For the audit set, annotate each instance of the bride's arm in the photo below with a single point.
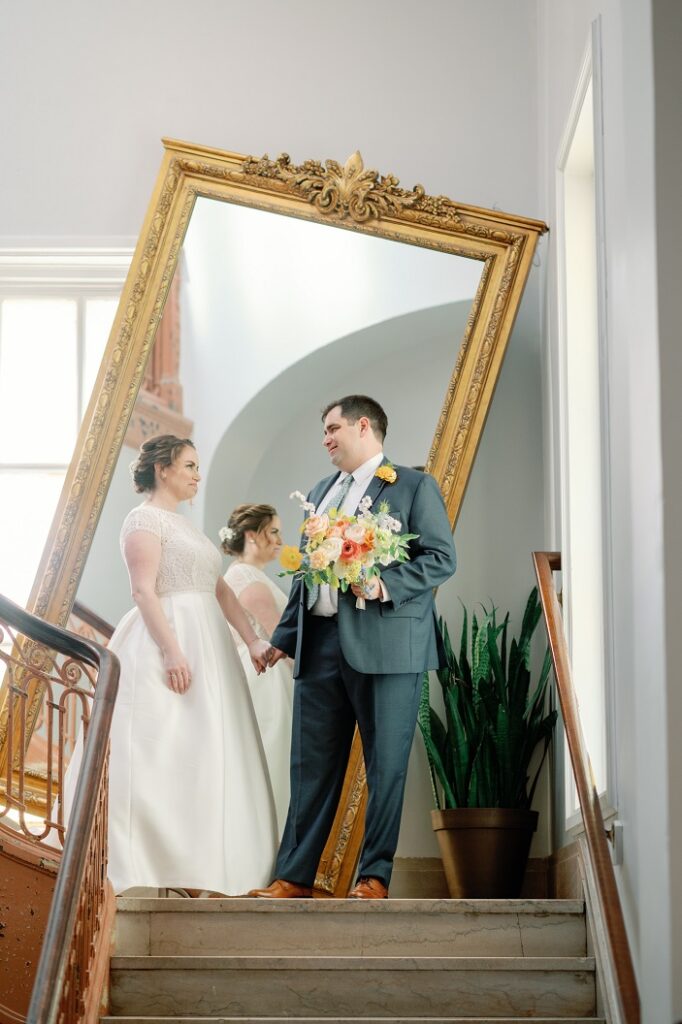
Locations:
(258, 599)
(142, 553)
(237, 617)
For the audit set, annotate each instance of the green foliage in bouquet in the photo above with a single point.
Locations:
(480, 756)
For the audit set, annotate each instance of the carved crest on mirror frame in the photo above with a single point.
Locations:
(347, 196)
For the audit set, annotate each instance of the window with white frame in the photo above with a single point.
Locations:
(585, 554)
(51, 342)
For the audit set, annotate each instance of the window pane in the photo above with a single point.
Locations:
(99, 316)
(38, 379)
(28, 499)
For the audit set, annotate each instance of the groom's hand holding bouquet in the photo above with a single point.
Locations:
(346, 550)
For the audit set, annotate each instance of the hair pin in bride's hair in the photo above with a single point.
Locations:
(226, 533)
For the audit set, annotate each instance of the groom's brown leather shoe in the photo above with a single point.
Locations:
(368, 889)
(280, 889)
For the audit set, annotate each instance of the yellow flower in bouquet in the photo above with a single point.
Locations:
(290, 558)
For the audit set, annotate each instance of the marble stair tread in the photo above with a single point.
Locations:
(239, 904)
(352, 1020)
(358, 963)
(406, 930)
(353, 987)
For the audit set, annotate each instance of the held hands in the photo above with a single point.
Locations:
(177, 671)
(260, 653)
(276, 655)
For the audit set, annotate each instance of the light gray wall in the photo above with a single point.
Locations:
(667, 46)
(444, 96)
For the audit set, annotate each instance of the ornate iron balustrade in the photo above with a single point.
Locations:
(41, 659)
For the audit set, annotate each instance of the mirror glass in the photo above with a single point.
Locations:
(268, 319)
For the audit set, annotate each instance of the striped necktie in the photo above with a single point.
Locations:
(336, 500)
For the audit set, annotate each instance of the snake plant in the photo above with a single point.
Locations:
(480, 756)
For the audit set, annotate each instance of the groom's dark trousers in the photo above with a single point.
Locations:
(329, 697)
(363, 666)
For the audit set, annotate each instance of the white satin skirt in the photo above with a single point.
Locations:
(272, 693)
(190, 801)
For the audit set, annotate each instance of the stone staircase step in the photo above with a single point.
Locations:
(182, 927)
(352, 1020)
(354, 987)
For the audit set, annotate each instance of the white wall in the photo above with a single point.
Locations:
(443, 96)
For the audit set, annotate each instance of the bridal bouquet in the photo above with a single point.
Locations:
(340, 549)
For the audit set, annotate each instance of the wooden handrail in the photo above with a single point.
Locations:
(547, 562)
(53, 989)
(93, 620)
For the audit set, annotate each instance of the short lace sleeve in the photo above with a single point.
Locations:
(141, 519)
(239, 576)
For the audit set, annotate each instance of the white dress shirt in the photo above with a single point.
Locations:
(328, 601)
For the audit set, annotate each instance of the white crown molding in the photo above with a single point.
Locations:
(28, 263)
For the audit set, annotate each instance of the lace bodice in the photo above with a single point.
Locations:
(189, 561)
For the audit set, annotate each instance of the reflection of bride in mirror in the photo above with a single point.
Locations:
(190, 803)
(253, 537)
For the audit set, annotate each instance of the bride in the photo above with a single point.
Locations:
(190, 804)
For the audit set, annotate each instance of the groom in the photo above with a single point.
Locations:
(360, 666)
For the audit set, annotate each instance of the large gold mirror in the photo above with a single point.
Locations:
(242, 315)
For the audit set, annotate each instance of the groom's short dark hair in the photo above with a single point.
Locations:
(354, 406)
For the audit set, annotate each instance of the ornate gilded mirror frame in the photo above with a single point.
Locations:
(349, 197)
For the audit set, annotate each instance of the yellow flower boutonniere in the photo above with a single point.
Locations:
(387, 473)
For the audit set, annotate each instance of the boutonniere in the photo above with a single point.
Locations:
(387, 473)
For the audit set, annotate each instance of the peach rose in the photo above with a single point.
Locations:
(320, 559)
(332, 545)
(316, 524)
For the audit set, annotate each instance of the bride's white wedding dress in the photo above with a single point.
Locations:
(190, 803)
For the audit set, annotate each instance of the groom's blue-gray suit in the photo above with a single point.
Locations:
(363, 666)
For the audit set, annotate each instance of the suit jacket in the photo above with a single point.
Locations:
(399, 635)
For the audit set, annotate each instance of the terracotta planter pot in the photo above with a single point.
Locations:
(484, 850)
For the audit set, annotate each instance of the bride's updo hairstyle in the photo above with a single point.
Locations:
(161, 450)
(243, 519)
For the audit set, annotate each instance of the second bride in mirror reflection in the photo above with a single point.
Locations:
(190, 803)
(253, 538)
